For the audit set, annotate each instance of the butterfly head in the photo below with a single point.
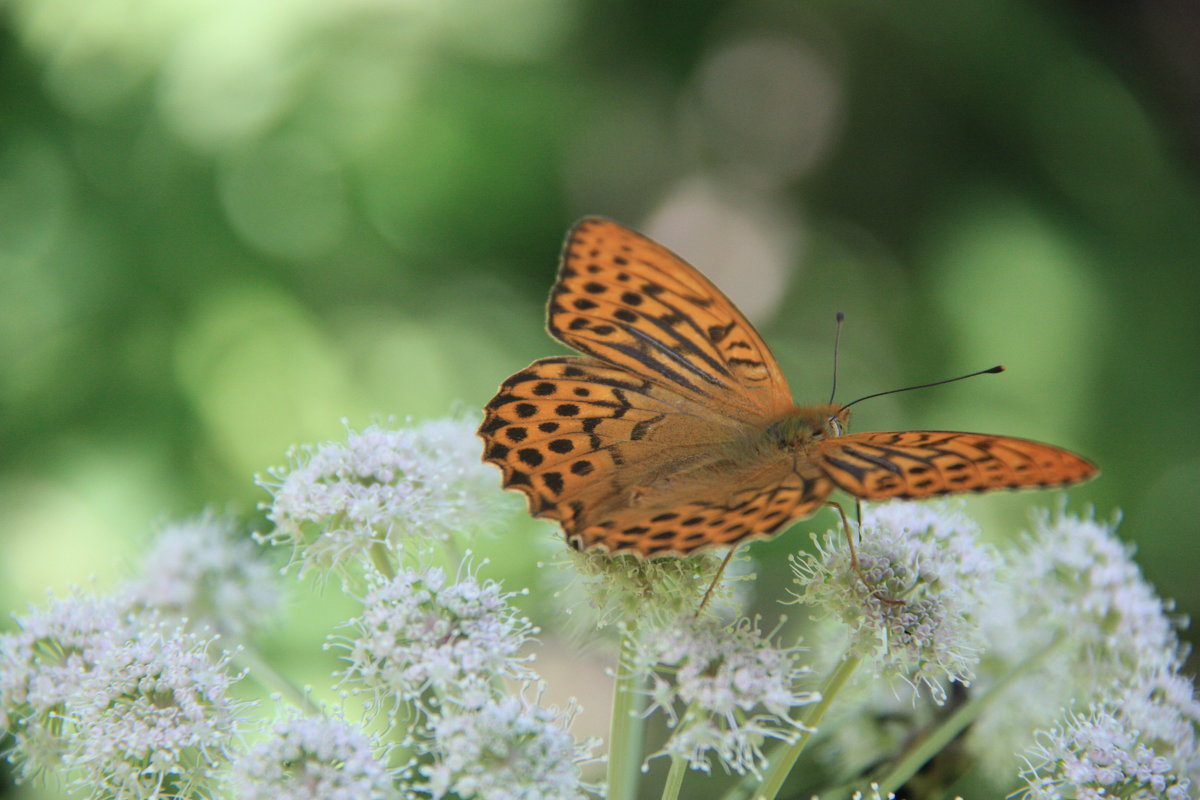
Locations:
(805, 424)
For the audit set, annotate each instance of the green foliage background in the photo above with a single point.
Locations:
(226, 225)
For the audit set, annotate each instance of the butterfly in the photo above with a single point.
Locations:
(675, 430)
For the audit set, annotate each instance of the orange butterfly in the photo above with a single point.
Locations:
(677, 432)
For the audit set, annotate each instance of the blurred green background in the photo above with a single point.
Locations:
(227, 224)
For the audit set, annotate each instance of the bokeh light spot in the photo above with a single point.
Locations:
(286, 198)
(1020, 291)
(260, 375)
(772, 102)
(1117, 132)
(747, 249)
(229, 76)
(79, 515)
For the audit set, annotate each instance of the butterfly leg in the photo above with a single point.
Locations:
(716, 578)
(854, 555)
(849, 536)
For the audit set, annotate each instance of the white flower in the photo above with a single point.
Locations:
(739, 688)
(202, 570)
(1136, 745)
(43, 666)
(1162, 706)
(915, 600)
(154, 716)
(313, 757)
(655, 592)
(1088, 588)
(1075, 618)
(132, 706)
(504, 749)
(381, 485)
(418, 631)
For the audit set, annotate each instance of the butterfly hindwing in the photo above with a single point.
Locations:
(577, 435)
(631, 302)
(913, 464)
(702, 515)
(628, 466)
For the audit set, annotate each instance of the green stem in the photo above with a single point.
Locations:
(783, 760)
(956, 723)
(626, 728)
(678, 762)
(674, 778)
(265, 674)
(382, 559)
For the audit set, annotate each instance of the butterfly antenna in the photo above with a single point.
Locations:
(837, 340)
(990, 371)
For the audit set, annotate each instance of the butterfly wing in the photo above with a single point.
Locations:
(631, 302)
(627, 465)
(708, 511)
(912, 464)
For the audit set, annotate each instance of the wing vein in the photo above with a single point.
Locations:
(876, 460)
(658, 346)
(653, 364)
(685, 341)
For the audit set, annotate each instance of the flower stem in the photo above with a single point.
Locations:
(674, 778)
(382, 559)
(626, 727)
(678, 762)
(955, 724)
(784, 759)
(269, 678)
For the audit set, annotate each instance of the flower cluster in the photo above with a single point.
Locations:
(129, 704)
(656, 592)
(914, 598)
(381, 486)
(1078, 564)
(419, 633)
(504, 748)
(1134, 744)
(318, 757)
(201, 570)
(739, 689)
(1075, 625)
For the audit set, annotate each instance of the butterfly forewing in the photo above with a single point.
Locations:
(631, 302)
(912, 464)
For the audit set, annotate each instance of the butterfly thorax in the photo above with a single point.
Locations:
(805, 424)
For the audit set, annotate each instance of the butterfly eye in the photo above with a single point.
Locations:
(835, 426)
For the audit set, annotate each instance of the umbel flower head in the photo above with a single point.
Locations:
(914, 602)
(201, 570)
(380, 486)
(656, 592)
(1090, 590)
(503, 749)
(739, 689)
(1078, 627)
(419, 631)
(313, 757)
(1139, 743)
(120, 703)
